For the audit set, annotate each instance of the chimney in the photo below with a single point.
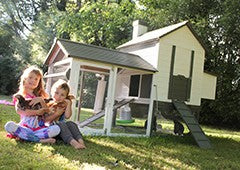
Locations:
(139, 28)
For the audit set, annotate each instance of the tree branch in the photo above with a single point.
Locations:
(18, 14)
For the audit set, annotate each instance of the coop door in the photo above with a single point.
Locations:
(180, 85)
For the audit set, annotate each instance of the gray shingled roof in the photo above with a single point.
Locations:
(101, 54)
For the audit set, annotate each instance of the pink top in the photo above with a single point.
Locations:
(32, 122)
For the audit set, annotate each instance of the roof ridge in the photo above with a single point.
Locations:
(138, 39)
(95, 46)
(179, 23)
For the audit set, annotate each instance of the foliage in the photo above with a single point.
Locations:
(9, 61)
(42, 35)
(28, 28)
(218, 25)
(161, 151)
(20, 14)
(223, 36)
(101, 23)
(8, 77)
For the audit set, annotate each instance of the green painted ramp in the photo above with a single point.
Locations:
(192, 124)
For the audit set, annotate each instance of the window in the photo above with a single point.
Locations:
(134, 85)
(140, 85)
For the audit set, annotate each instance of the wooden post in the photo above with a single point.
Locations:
(110, 101)
(49, 80)
(80, 95)
(99, 95)
(73, 83)
(150, 111)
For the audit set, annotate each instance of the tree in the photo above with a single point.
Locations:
(217, 23)
(225, 43)
(101, 23)
(9, 63)
(107, 23)
(42, 35)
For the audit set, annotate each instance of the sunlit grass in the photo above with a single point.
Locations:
(162, 151)
(221, 133)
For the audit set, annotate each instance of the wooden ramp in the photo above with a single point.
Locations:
(192, 124)
(102, 113)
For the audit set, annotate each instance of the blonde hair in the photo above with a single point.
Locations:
(62, 85)
(39, 90)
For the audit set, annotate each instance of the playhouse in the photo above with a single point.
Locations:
(159, 70)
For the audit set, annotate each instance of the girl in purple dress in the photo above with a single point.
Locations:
(31, 126)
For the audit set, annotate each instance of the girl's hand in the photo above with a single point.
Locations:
(42, 111)
(36, 100)
(52, 110)
(59, 110)
(69, 102)
(68, 110)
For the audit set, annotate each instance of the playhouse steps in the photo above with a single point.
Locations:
(102, 113)
(192, 124)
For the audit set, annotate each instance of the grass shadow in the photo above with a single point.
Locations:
(161, 151)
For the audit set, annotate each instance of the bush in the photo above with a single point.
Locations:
(9, 75)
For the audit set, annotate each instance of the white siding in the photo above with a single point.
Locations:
(158, 53)
(182, 61)
(185, 42)
(195, 97)
(122, 86)
(161, 78)
(147, 51)
(208, 83)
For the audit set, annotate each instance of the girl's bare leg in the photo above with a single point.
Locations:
(76, 145)
(81, 142)
(48, 140)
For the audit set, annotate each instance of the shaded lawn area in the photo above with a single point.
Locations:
(161, 151)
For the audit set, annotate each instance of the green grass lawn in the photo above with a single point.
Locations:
(162, 151)
(4, 97)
